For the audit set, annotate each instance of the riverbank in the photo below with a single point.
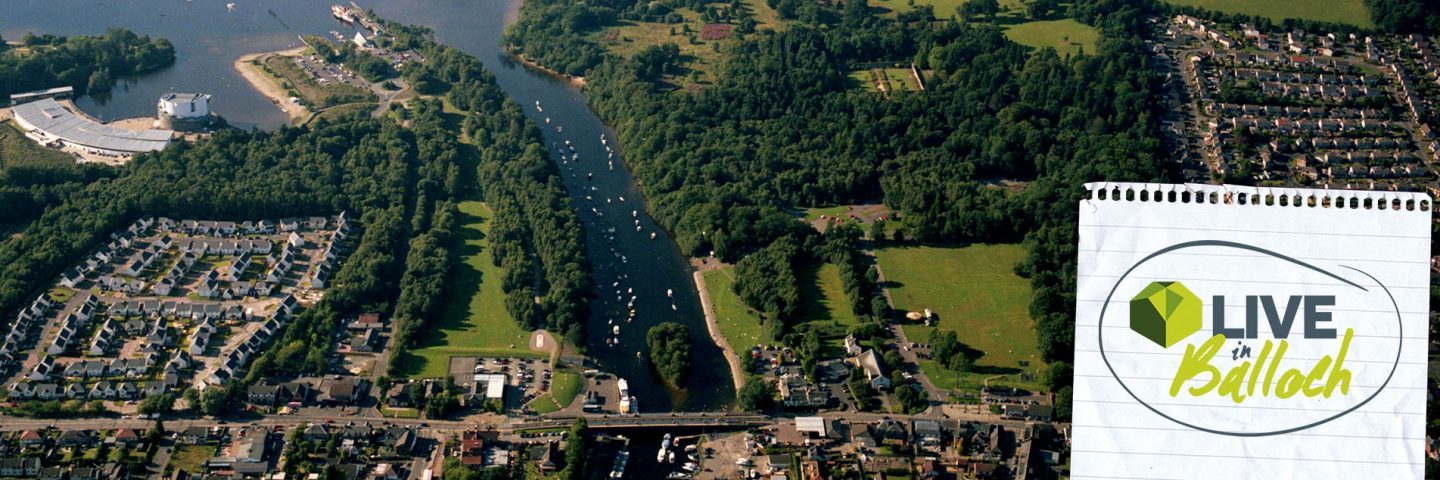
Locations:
(250, 70)
(578, 82)
(712, 325)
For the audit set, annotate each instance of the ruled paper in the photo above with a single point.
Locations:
(1374, 262)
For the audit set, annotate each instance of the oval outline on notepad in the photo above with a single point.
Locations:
(1227, 244)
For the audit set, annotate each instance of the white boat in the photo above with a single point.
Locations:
(616, 330)
(689, 467)
(537, 106)
(664, 448)
(670, 293)
(652, 235)
(230, 7)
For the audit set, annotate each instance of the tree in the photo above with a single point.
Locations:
(756, 395)
(1059, 375)
(215, 401)
(669, 344)
(157, 404)
(577, 451)
(974, 9)
(1063, 404)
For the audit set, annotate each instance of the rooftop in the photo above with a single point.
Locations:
(54, 120)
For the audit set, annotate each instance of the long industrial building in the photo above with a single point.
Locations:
(47, 122)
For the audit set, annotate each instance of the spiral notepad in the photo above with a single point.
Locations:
(1246, 332)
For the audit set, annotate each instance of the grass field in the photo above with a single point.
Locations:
(1065, 36)
(976, 294)
(474, 321)
(399, 412)
(342, 111)
(18, 151)
(700, 57)
(563, 389)
(191, 458)
(943, 8)
(313, 94)
(894, 79)
(738, 323)
(823, 305)
(1339, 11)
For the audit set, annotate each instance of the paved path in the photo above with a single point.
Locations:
(712, 324)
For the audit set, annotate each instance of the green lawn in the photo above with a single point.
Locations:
(1065, 36)
(1340, 11)
(474, 322)
(563, 389)
(823, 305)
(943, 8)
(191, 458)
(399, 412)
(975, 293)
(738, 323)
(16, 150)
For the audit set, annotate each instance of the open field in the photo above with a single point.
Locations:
(974, 291)
(563, 390)
(1339, 11)
(348, 109)
(943, 8)
(191, 458)
(738, 323)
(699, 57)
(474, 321)
(824, 306)
(18, 151)
(313, 94)
(1065, 36)
(894, 80)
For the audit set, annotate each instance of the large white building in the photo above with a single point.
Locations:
(48, 122)
(183, 111)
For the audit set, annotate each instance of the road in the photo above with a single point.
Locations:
(937, 395)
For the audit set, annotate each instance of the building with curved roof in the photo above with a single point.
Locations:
(47, 121)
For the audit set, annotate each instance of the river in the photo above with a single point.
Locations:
(208, 38)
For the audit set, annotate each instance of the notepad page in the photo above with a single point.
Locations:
(1244, 332)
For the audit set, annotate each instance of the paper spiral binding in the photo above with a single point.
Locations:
(1256, 196)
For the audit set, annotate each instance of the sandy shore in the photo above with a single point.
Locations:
(267, 86)
(571, 79)
(713, 326)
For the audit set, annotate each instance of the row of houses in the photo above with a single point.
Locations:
(261, 227)
(234, 361)
(70, 324)
(20, 335)
(101, 390)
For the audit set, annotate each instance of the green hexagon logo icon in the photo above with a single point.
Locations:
(1165, 313)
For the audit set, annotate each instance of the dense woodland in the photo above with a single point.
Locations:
(90, 64)
(670, 347)
(1406, 16)
(782, 128)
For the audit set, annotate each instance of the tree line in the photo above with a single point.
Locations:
(536, 235)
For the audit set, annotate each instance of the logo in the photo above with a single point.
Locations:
(1254, 344)
(1165, 313)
